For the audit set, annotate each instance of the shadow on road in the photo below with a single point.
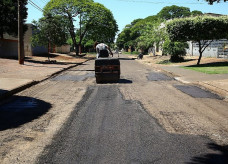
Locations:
(216, 64)
(50, 62)
(126, 58)
(2, 91)
(219, 158)
(120, 81)
(86, 70)
(125, 81)
(20, 110)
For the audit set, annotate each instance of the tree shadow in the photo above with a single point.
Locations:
(2, 92)
(127, 58)
(188, 60)
(19, 110)
(50, 62)
(9, 57)
(216, 64)
(213, 158)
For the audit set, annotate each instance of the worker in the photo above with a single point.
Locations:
(102, 50)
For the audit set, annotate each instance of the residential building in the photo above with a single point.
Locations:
(217, 49)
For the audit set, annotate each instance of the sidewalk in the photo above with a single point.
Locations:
(15, 77)
(217, 83)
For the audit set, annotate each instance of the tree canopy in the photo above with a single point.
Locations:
(144, 33)
(201, 29)
(212, 1)
(174, 11)
(9, 16)
(85, 18)
(50, 30)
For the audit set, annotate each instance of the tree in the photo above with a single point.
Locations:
(128, 37)
(92, 18)
(201, 29)
(176, 49)
(212, 1)
(9, 16)
(97, 23)
(196, 12)
(153, 33)
(171, 12)
(123, 38)
(50, 30)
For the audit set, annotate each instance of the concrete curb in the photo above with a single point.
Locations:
(17, 90)
(30, 84)
(221, 92)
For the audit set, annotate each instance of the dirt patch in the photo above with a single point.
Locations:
(189, 60)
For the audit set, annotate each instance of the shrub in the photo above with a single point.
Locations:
(175, 49)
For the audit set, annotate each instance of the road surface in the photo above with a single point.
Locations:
(148, 117)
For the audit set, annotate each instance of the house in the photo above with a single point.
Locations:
(217, 49)
(9, 46)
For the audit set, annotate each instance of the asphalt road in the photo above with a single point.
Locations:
(118, 123)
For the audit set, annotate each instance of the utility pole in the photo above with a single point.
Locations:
(80, 33)
(20, 35)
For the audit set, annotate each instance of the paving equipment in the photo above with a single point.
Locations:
(107, 70)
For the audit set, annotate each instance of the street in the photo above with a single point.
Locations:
(148, 117)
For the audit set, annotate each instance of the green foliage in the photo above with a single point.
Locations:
(86, 19)
(9, 16)
(145, 33)
(152, 34)
(166, 62)
(196, 12)
(124, 38)
(98, 23)
(132, 33)
(70, 42)
(211, 68)
(132, 53)
(171, 12)
(50, 30)
(200, 29)
(89, 44)
(175, 49)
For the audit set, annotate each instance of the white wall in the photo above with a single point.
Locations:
(64, 49)
(215, 49)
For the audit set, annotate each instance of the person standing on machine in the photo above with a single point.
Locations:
(102, 50)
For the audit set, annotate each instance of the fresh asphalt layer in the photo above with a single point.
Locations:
(105, 128)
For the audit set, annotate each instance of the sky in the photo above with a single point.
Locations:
(125, 11)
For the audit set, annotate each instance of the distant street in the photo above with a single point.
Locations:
(148, 117)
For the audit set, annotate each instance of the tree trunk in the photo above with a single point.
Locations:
(200, 53)
(72, 34)
(80, 48)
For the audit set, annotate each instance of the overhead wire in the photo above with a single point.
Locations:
(158, 2)
(35, 5)
(45, 2)
(37, 2)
